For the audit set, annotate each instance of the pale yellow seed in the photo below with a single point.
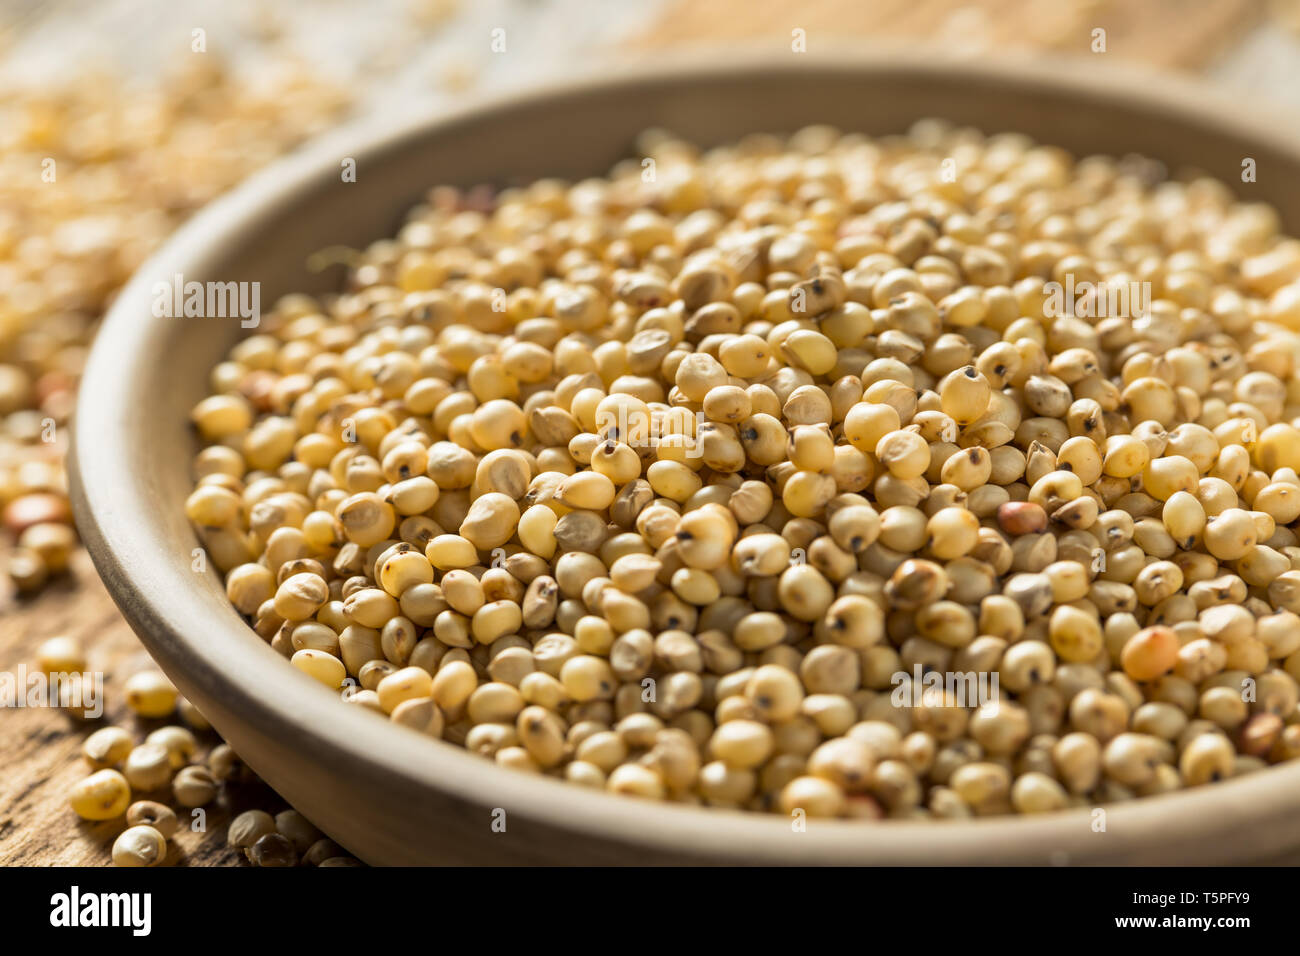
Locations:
(150, 694)
(101, 796)
(321, 666)
(406, 684)
(139, 846)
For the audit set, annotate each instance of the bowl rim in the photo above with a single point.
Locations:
(113, 514)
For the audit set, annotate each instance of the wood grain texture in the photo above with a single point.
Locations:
(40, 749)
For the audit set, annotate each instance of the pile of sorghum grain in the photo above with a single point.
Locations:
(135, 781)
(671, 483)
(91, 180)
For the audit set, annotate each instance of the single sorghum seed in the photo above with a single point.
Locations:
(194, 786)
(107, 747)
(101, 796)
(249, 827)
(150, 694)
(148, 813)
(272, 850)
(297, 829)
(139, 846)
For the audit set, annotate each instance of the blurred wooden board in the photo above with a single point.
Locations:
(1184, 34)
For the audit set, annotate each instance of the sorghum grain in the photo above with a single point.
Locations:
(101, 796)
(666, 485)
(148, 813)
(139, 846)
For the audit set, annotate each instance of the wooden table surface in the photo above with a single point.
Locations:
(1246, 45)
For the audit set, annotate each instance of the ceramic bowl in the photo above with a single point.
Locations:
(392, 796)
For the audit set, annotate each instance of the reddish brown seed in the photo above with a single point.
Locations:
(37, 508)
(863, 806)
(1021, 517)
(1150, 652)
(257, 386)
(1259, 734)
(272, 850)
(53, 384)
(1288, 744)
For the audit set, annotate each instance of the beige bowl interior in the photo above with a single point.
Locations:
(392, 796)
